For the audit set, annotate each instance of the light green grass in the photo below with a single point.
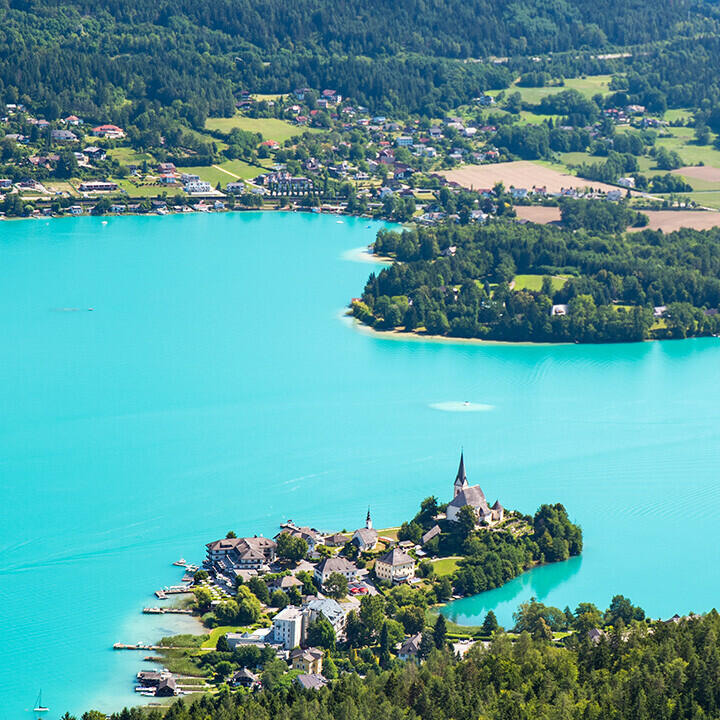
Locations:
(128, 156)
(445, 566)
(678, 114)
(681, 140)
(209, 174)
(215, 634)
(705, 199)
(269, 128)
(534, 282)
(588, 86)
(243, 170)
(143, 191)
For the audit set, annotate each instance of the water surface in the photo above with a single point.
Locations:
(214, 387)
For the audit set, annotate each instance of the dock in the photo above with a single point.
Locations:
(164, 611)
(172, 590)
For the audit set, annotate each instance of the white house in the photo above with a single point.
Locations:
(395, 566)
(328, 566)
(288, 626)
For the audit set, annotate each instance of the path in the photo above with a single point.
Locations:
(227, 172)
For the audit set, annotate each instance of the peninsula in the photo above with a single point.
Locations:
(305, 605)
(586, 282)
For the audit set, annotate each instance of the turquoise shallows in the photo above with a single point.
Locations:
(215, 386)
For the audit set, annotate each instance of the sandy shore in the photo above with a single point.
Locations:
(418, 337)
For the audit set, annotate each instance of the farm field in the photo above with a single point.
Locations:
(243, 170)
(521, 174)
(269, 128)
(665, 220)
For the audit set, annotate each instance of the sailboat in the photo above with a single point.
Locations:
(39, 707)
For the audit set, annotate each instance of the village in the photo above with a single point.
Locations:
(308, 597)
(312, 150)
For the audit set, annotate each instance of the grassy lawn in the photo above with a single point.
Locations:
(128, 156)
(244, 171)
(210, 174)
(706, 199)
(144, 190)
(269, 128)
(445, 566)
(60, 186)
(682, 141)
(534, 282)
(389, 533)
(215, 633)
(588, 86)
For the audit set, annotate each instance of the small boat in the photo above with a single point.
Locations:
(340, 222)
(39, 707)
(180, 563)
(104, 222)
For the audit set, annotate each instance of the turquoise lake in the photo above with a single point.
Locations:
(215, 385)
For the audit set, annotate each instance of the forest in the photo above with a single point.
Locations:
(89, 58)
(458, 280)
(633, 671)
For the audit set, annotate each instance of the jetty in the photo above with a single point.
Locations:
(164, 611)
(172, 590)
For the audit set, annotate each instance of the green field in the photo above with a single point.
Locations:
(445, 566)
(682, 141)
(588, 86)
(534, 282)
(243, 170)
(128, 156)
(144, 190)
(705, 199)
(269, 128)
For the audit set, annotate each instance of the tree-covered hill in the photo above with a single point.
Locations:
(89, 56)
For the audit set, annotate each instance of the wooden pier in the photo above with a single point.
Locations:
(166, 611)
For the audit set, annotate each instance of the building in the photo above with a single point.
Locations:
(330, 609)
(94, 153)
(245, 678)
(328, 566)
(245, 553)
(559, 310)
(472, 496)
(310, 535)
(433, 532)
(395, 566)
(288, 627)
(63, 136)
(166, 687)
(197, 186)
(5, 183)
(309, 661)
(366, 538)
(336, 540)
(261, 636)
(409, 649)
(311, 682)
(404, 141)
(236, 188)
(97, 186)
(112, 132)
(285, 583)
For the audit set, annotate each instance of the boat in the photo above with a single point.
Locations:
(180, 563)
(39, 707)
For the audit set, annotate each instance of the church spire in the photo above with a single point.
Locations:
(461, 478)
(368, 520)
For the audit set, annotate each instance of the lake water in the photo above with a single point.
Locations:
(216, 386)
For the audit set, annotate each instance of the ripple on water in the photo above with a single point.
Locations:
(460, 406)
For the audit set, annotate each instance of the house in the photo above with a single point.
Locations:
(433, 532)
(301, 93)
(166, 687)
(97, 186)
(330, 609)
(332, 96)
(285, 583)
(328, 566)
(336, 540)
(309, 660)
(112, 132)
(166, 167)
(235, 188)
(559, 310)
(245, 678)
(409, 649)
(95, 153)
(404, 141)
(197, 186)
(168, 179)
(63, 136)
(659, 311)
(473, 497)
(595, 635)
(366, 538)
(244, 553)
(151, 678)
(75, 210)
(395, 566)
(72, 120)
(5, 183)
(311, 682)
(288, 627)
(310, 535)
(259, 637)
(627, 182)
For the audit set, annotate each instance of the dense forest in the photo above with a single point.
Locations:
(88, 58)
(458, 280)
(632, 671)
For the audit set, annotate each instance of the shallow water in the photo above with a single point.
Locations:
(213, 387)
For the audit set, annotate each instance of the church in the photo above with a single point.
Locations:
(473, 496)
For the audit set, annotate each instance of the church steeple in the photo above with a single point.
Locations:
(461, 478)
(368, 521)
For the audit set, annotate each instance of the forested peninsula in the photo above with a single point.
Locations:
(587, 281)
